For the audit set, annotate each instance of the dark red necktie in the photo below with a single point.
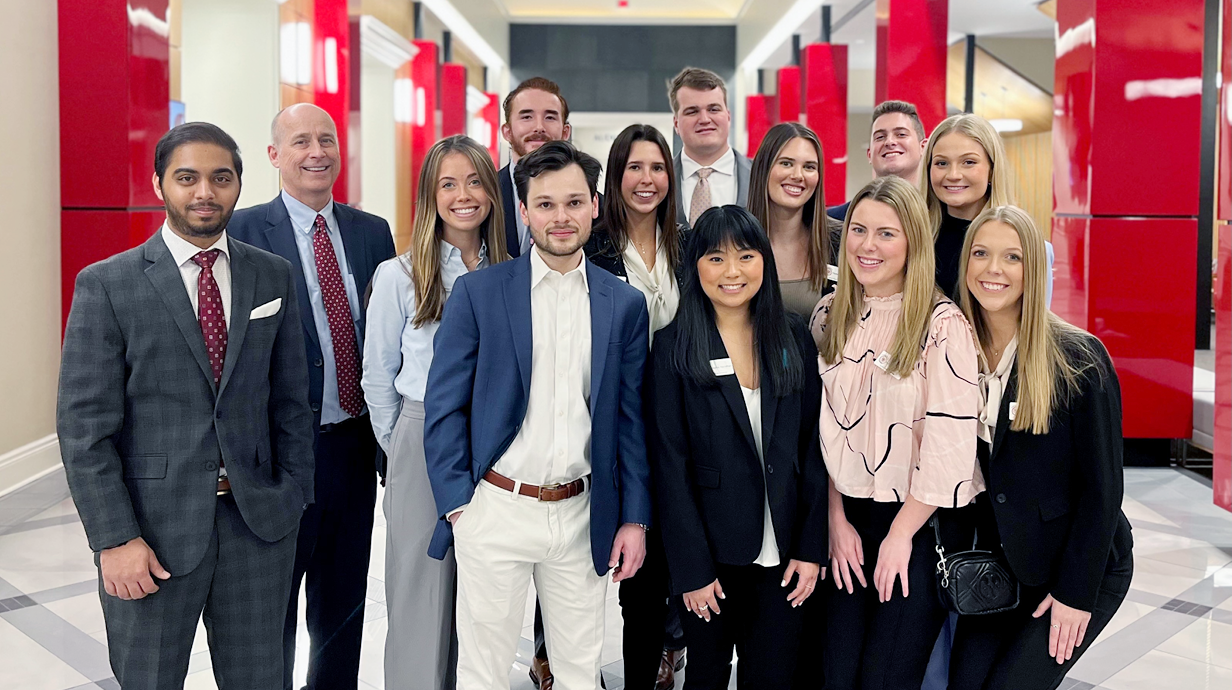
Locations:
(341, 327)
(210, 312)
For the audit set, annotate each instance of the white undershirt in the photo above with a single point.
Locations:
(769, 554)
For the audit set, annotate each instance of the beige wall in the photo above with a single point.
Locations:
(859, 172)
(30, 188)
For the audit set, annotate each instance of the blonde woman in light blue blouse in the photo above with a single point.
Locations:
(458, 228)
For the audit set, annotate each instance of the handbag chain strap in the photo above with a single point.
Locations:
(942, 566)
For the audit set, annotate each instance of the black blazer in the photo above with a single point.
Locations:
(1057, 497)
(604, 253)
(367, 242)
(709, 484)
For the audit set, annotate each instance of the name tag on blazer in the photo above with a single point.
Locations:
(883, 363)
(1013, 410)
(268, 309)
(722, 367)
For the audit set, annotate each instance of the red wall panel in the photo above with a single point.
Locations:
(823, 71)
(95, 235)
(423, 117)
(788, 95)
(1101, 267)
(453, 100)
(760, 111)
(331, 76)
(1223, 372)
(1224, 190)
(491, 115)
(912, 55)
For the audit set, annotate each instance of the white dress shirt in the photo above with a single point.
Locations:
(553, 445)
(722, 180)
(657, 286)
(768, 556)
(397, 355)
(183, 251)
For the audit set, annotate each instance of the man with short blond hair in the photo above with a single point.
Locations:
(708, 171)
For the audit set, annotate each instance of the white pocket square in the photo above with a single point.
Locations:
(268, 309)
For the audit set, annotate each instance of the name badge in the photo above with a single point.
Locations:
(883, 363)
(722, 367)
(832, 273)
(1013, 410)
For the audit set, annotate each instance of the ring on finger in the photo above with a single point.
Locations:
(1056, 626)
(704, 606)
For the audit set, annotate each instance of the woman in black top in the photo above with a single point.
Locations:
(637, 239)
(733, 400)
(1050, 452)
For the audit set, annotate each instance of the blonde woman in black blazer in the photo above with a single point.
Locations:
(1050, 452)
(734, 398)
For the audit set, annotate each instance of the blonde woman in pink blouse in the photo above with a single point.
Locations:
(899, 415)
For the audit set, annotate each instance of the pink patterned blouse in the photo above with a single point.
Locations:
(883, 436)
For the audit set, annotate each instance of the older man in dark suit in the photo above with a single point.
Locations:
(334, 250)
(185, 430)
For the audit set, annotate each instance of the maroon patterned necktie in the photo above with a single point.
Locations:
(210, 312)
(338, 313)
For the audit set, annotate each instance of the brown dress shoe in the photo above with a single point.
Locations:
(540, 674)
(672, 663)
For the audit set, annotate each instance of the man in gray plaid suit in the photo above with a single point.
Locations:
(186, 433)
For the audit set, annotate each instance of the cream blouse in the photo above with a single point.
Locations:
(882, 436)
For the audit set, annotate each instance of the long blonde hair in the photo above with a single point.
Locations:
(1000, 181)
(424, 255)
(816, 222)
(919, 288)
(1048, 372)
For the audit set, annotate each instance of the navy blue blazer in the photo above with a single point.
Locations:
(476, 401)
(367, 241)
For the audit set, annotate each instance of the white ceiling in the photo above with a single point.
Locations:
(675, 11)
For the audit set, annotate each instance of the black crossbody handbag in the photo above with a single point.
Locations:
(975, 582)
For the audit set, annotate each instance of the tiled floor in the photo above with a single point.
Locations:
(1174, 630)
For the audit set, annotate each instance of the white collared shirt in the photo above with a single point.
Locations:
(722, 181)
(183, 251)
(397, 355)
(553, 445)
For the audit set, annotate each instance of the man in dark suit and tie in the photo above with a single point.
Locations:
(533, 433)
(333, 250)
(709, 172)
(185, 430)
(535, 113)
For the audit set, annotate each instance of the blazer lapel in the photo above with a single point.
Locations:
(602, 311)
(1003, 419)
(165, 275)
(509, 198)
(681, 210)
(517, 306)
(743, 168)
(729, 386)
(353, 246)
(769, 406)
(281, 238)
(243, 289)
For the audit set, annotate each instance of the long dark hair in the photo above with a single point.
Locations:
(777, 354)
(614, 217)
(819, 225)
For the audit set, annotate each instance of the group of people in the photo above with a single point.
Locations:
(761, 417)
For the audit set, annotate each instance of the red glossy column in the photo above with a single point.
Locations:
(453, 99)
(1224, 189)
(423, 118)
(760, 111)
(114, 94)
(331, 76)
(491, 115)
(912, 55)
(824, 76)
(1112, 239)
(1223, 285)
(789, 99)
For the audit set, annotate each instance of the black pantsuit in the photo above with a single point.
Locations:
(646, 610)
(335, 542)
(1054, 509)
(871, 645)
(756, 620)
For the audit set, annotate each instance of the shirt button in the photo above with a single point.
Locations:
(218, 415)
(211, 466)
(318, 362)
(315, 407)
(1001, 498)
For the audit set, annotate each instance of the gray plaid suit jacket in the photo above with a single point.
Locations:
(141, 426)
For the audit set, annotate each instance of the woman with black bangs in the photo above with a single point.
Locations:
(733, 399)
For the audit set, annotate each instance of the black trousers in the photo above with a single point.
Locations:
(1009, 651)
(331, 558)
(651, 621)
(876, 646)
(757, 620)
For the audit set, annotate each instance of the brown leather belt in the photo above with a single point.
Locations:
(224, 486)
(547, 492)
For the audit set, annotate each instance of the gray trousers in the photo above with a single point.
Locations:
(239, 589)
(421, 647)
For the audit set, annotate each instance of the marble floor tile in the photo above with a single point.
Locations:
(84, 612)
(1164, 579)
(29, 666)
(1183, 551)
(1205, 640)
(1156, 670)
(50, 557)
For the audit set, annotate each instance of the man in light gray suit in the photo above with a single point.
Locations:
(708, 171)
(186, 433)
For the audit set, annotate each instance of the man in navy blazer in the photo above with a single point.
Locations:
(533, 433)
(333, 250)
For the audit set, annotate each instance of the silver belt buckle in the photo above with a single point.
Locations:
(548, 487)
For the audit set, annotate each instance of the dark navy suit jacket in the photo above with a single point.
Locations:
(479, 384)
(367, 242)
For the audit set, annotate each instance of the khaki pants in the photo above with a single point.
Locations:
(501, 541)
